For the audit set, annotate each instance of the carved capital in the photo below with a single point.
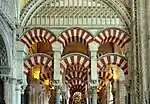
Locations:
(5, 69)
(94, 83)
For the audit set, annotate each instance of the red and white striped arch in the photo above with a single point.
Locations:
(48, 75)
(77, 88)
(106, 75)
(37, 59)
(36, 35)
(115, 59)
(75, 35)
(113, 35)
(101, 83)
(77, 68)
(74, 59)
(76, 77)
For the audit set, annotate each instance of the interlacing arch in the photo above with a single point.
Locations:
(75, 35)
(114, 59)
(113, 35)
(36, 35)
(37, 59)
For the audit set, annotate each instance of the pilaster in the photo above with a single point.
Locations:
(136, 81)
(143, 51)
(57, 48)
(93, 50)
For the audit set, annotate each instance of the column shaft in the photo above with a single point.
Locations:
(94, 95)
(13, 92)
(57, 98)
(18, 94)
(7, 92)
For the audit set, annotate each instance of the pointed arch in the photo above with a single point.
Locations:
(113, 35)
(37, 34)
(37, 59)
(75, 35)
(115, 59)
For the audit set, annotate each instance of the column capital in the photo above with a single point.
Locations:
(93, 46)
(57, 47)
(94, 83)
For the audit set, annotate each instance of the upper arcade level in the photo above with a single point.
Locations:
(61, 14)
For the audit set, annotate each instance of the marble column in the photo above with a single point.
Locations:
(89, 96)
(46, 99)
(64, 98)
(7, 92)
(109, 94)
(18, 93)
(13, 90)
(64, 92)
(94, 95)
(57, 96)
(144, 50)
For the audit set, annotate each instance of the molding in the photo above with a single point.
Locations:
(10, 23)
(5, 69)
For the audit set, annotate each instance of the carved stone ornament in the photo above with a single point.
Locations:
(3, 53)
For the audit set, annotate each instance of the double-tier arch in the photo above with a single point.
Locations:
(76, 68)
